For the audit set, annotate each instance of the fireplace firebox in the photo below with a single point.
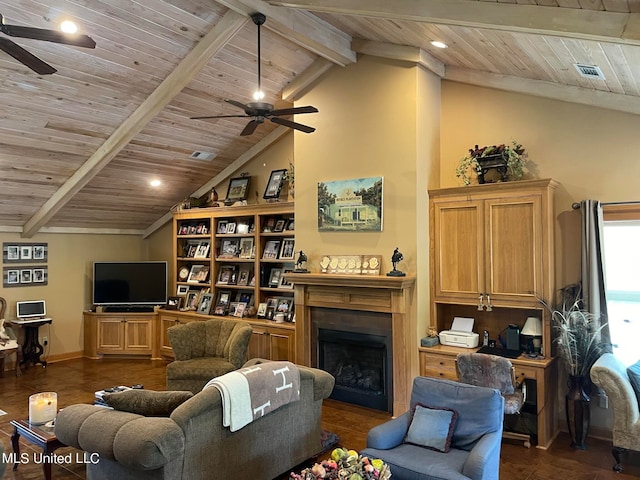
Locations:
(357, 350)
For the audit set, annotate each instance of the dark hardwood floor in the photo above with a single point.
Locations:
(75, 381)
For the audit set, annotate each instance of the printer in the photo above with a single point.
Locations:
(461, 334)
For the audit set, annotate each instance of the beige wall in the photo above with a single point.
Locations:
(68, 292)
(377, 118)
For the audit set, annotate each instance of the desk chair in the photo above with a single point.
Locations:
(495, 372)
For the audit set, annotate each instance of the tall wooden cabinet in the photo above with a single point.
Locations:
(492, 259)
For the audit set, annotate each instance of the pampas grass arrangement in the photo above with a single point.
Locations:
(577, 332)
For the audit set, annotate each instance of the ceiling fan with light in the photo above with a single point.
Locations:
(30, 60)
(261, 111)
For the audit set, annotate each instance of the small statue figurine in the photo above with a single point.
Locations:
(395, 259)
(302, 259)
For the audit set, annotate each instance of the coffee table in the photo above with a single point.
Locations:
(40, 435)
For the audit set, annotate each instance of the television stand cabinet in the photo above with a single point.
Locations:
(120, 333)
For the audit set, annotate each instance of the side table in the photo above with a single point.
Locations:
(40, 435)
(31, 349)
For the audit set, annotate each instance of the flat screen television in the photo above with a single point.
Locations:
(129, 284)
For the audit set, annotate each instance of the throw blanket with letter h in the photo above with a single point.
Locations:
(252, 392)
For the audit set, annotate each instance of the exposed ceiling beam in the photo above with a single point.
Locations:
(598, 25)
(269, 139)
(184, 72)
(302, 28)
(400, 52)
(539, 88)
(306, 79)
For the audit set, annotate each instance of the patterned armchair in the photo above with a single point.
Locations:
(204, 350)
(492, 371)
(612, 376)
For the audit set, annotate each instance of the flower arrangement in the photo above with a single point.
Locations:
(513, 156)
(345, 465)
(577, 333)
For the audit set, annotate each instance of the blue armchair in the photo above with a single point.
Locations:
(474, 451)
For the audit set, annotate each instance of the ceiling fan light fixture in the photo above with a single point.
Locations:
(258, 95)
(68, 27)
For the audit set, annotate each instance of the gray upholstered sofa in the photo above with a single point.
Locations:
(192, 443)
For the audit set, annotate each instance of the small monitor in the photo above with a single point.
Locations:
(32, 308)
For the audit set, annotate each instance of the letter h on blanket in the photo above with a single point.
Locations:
(252, 392)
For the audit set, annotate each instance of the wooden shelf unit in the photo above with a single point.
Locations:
(492, 259)
(270, 340)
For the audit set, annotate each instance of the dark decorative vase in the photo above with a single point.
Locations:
(578, 411)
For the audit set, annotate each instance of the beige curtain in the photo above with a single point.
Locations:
(592, 271)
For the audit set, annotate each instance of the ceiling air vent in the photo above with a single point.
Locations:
(203, 156)
(589, 71)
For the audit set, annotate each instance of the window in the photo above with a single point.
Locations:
(622, 273)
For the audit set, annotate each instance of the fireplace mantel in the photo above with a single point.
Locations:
(375, 293)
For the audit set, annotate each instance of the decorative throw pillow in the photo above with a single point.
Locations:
(432, 427)
(147, 402)
(634, 377)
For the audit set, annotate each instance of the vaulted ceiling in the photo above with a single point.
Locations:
(78, 147)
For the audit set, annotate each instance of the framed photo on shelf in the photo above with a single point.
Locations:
(222, 303)
(242, 228)
(231, 227)
(243, 276)
(246, 248)
(191, 299)
(262, 310)
(287, 252)
(283, 281)
(271, 250)
(236, 309)
(38, 275)
(284, 305)
(204, 304)
(268, 225)
(274, 277)
(203, 274)
(182, 290)
(193, 273)
(26, 252)
(291, 225)
(279, 226)
(229, 248)
(224, 276)
(174, 303)
(238, 189)
(274, 185)
(202, 250)
(222, 226)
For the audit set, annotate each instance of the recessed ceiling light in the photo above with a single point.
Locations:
(438, 44)
(155, 183)
(68, 27)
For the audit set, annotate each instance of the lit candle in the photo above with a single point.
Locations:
(43, 407)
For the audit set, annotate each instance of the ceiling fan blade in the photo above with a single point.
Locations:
(250, 128)
(26, 58)
(48, 35)
(237, 104)
(290, 124)
(295, 110)
(218, 116)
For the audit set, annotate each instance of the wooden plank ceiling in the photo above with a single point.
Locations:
(79, 147)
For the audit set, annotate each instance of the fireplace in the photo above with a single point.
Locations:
(350, 306)
(356, 348)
